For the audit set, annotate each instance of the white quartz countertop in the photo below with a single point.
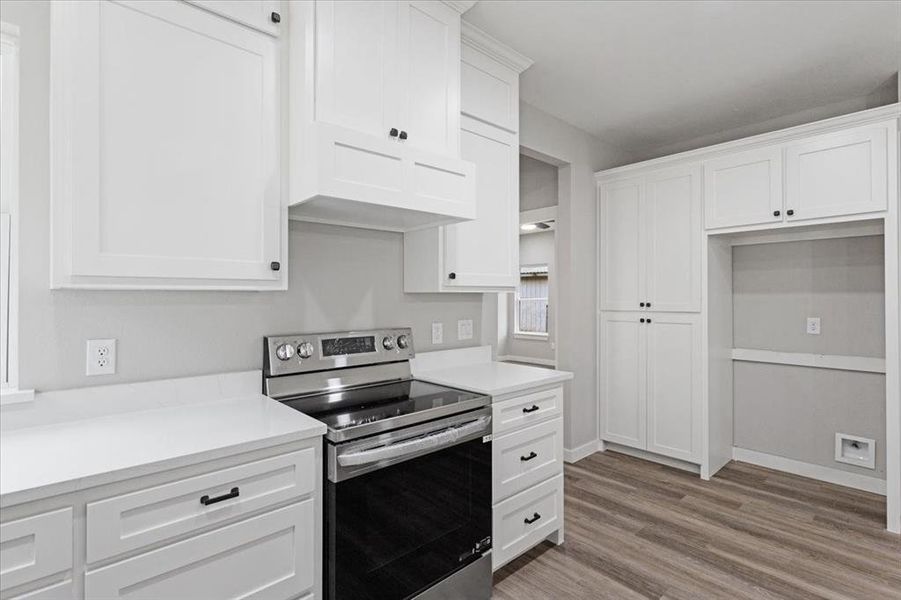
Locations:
(485, 376)
(64, 441)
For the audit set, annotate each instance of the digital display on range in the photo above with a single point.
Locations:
(348, 345)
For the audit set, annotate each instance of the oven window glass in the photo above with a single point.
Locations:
(394, 532)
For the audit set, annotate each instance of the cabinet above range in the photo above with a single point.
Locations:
(375, 115)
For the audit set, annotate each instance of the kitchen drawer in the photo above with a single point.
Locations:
(267, 556)
(35, 547)
(527, 409)
(64, 590)
(525, 519)
(133, 520)
(525, 457)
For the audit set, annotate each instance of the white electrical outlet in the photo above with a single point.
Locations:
(101, 357)
(813, 325)
(437, 332)
(464, 329)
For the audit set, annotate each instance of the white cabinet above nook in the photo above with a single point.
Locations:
(482, 254)
(165, 146)
(375, 115)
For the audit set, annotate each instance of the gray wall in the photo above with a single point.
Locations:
(793, 411)
(340, 278)
(537, 184)
(536, 249)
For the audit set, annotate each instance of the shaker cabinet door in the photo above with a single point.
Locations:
(623, 247)
(623, 376)
(165, 148)
(744, 188)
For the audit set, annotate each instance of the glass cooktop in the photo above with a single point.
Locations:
(359, 412)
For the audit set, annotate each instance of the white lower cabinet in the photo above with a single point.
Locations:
(269, 556)
(527, 466)
(651, 389)
(247, 526)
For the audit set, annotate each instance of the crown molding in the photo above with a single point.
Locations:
(461, 6)
(484, 43)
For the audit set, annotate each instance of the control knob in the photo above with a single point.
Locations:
(305, 350)
(284, 352)
(388, 342)
(402, 341)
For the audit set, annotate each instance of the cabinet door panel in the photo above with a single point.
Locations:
(167, 142)
(743, 188)
(484, 252)
(356, 58)
(841, 173)
(623, 379)
(429, 67)
(622, 245)
(674, 386)
(673, 217)
(253, 13)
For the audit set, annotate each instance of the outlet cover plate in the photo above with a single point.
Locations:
(437, 332)
(101, 357)
(464, 329)
(813, 325)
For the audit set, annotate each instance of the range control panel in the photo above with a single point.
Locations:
(306, 352)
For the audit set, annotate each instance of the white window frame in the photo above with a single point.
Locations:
(9, 188)
(530, 335)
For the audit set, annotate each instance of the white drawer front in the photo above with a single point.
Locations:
(35, 547)
(130, 521)
(64, 590)
(526, 457)
(268, 556)
(523, 410)
(526, 519)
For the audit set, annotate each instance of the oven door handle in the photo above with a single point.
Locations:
(439, 439)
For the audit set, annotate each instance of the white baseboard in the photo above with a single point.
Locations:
(580, 452)
(819, 472)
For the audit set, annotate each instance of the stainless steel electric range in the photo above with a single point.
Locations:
(407, 502)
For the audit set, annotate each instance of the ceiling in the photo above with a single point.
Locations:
(643, 75)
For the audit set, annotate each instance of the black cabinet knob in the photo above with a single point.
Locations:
(275, 265)
(451, 275)
(276, 18)
(789, 212)
(393, 132)
(641, 304)
(403, 135)
(649, 320)
(641, 320)
(648, 304)
(776, 213)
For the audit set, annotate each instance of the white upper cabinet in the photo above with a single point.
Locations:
(264, 15)
(744, 188)
(375, 115)
(482, 254)
(840, 173)
(650, 242)
(165, 149)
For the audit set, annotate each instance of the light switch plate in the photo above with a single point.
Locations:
(464, 329)
(813, 325)
(437, 332)
(101, 357)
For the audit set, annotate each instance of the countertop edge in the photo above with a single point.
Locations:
(558, 377)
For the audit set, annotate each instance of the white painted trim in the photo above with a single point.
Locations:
(15, 396)
(529, 335)
(803, 469)
(654, 458)
(11, 89)
(547, 213)
(817, 232)
(573, 455)
(477, 39)
(548, 362)
(819, 361)
(461, 6)
(890, 111)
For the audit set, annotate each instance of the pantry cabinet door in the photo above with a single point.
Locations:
(165, 144)
(622, 245)
(429, 70)
(842, 173)
(674, 385)
(673, 222)
(484, 252)
(264, 15)
(744, 188)
(623, 379)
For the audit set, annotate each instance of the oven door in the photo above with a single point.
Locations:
(405, 512)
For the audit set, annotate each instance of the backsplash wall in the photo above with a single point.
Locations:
(339, 278)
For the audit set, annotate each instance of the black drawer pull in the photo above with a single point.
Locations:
(534, 518)
(531, 409)
(206, 500)
(529, 457)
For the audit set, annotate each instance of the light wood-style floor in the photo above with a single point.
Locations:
(636, 529)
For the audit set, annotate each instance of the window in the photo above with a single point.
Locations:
(531, 301)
